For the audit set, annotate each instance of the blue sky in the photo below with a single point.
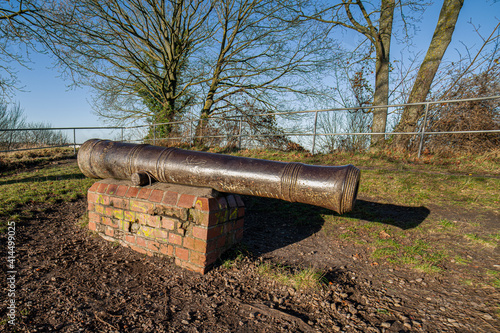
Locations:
(47, 98)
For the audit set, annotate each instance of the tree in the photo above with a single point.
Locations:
(262, 57)
(14, 32)
(150, 59)
(376, 26)
(134, 53)
(440, 40)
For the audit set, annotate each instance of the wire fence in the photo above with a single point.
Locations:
(236, 130)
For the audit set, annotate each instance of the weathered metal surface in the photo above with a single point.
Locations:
(332, 187)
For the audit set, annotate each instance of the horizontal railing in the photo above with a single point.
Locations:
(240, 135)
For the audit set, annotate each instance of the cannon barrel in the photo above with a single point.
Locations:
(332, 187)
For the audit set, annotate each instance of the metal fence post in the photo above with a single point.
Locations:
(74, 141)
(154, 134)
(423, 130)
(315, 126)
(239, 134)
(122, 134)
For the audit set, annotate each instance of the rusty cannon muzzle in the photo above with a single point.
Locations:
(332, 187)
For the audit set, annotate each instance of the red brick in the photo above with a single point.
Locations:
(186, 201)
(153, 221)
(141, 206)
(138, 249)
(98, 198)
(110, 222)
(200, 232)
(92, 197)
(202, 259)
(167, 223)
(99, 209)
(141, 241)
(231, 201)
(102, 188)
(241, 211)
(221, 241)
(206, 204)
(130, 239)
(174, 239)
(103, 199)
(214, 232)
(109, 231)
(92, 226)
(121, 190)
(156, 196)
(170, 198)
(191, 267)
(132, 192)
(195, 244)
(112, 189)
(94, 217)
(167, 249)
(181, 253)
(94, 187)
(124, 225)
(161, 235)
(146, 231)
(118, 214)
(239, 201)
(221, 216)
(129, 216)
(141, 218)
(210, 246)
(119, 203)
(153, 246)
(222, 203)
(144, 193)
(233, 214)
(188, 243)
(239, 224)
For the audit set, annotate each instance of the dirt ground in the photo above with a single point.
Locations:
(70, 280)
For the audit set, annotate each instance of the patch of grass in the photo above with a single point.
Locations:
(419, 254)
(21, 192)
(475, 238)
(468, 282)
(301, 279)
(446, 224)
(461, 261)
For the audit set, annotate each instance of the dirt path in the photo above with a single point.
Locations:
(70, 280)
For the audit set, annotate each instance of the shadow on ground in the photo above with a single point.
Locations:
(271, 224)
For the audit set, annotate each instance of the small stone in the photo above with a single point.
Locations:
(252, 315)
(407, 325)
(185, 322)
(343, 295)
(419, 280)
(386, 324)
(487, 316)
(335, 328)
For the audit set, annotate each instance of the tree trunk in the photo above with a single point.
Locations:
(439, 43)
(382, 47)
(203, 122)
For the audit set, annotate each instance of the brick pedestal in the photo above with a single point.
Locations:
(193, 225)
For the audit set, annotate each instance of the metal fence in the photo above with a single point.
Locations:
(186, 129)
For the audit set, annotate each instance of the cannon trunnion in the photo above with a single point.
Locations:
(332, 187)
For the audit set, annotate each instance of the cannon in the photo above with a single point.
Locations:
(332, 187)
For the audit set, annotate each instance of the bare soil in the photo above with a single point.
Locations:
(71, 280)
